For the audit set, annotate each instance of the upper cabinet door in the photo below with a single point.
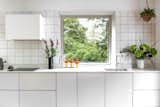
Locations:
(24, 27)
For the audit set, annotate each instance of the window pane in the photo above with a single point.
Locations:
(87, 38)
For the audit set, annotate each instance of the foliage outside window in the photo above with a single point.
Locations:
(87, 38)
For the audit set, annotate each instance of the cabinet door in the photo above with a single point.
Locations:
(118, 90)
(9, 81)
(38, 81)
(146, 98)
(66, 90)
(90, 90)
(9, 99)
(146, 81)
(37, 99)
(23, 26)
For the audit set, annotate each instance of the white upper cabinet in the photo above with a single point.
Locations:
(24, 27)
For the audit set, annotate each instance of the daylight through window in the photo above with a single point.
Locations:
(87, 38)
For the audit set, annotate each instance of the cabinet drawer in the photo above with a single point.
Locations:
(37, 81)
(9, 99)
(37, 99)
(146, 99)
(146, 81)
(9, 81)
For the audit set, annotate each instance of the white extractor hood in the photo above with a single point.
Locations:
(24, 27)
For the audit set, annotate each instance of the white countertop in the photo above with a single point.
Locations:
(95, 70)
(87, 69)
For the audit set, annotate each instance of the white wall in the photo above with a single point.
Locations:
(11, 5)
(129, 27)
(87, 4)
(157, 6)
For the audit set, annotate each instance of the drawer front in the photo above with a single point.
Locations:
(37, 81)
(9, 81)
(146, 81)
(146, 99)
(9, 99)
(37, 99)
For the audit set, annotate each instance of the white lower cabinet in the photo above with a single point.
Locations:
(80, 89)
(66, 90)
(37, 81)
(146, 90)
(146, 99)
(90, 88)
(9, 81)
(94, 90)
(37, 99)
(9, 99)
(146, 81)
(118, 90)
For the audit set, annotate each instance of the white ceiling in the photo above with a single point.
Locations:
(73, 4)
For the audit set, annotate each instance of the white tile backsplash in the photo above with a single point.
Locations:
(129, 29)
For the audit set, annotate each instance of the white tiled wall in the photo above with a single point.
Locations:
(129, 30)
(30, 53)
(158, 30)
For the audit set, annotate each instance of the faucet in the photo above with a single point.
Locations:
(2, 64)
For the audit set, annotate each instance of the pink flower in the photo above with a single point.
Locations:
(52, 43)
(57, 43)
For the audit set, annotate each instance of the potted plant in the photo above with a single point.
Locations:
(147, 14)
(50, 50)
(141, 52)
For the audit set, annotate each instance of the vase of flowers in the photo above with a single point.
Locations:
(50, 50)
(141, 52)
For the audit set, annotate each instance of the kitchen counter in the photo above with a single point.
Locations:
(96, 70)
(87, 69)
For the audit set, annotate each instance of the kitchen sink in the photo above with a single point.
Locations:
(25, 69)
(116, 69)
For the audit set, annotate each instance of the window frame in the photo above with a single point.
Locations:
(112, 57)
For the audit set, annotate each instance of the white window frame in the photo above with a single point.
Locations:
(112, 40)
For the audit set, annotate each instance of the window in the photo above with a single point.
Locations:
(87, 38)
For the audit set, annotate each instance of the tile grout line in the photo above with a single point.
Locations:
(19, 93)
